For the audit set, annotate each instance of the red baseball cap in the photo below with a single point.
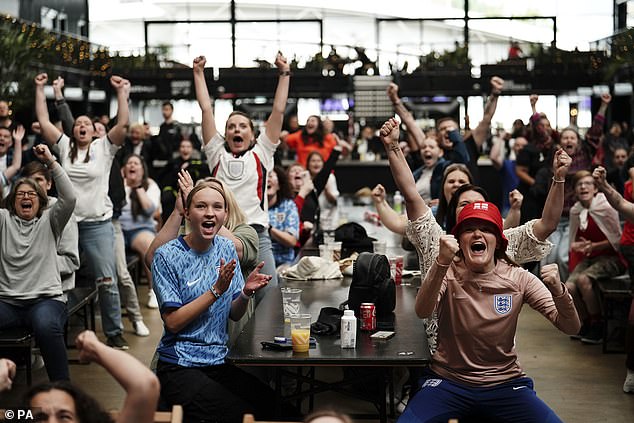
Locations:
(487, 212)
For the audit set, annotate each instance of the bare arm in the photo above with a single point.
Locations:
(497, 153)
(141, 385)
(204, 101)
(481, 131)
(392, 220)
(523, 175)
(417, 134)
(172, 225)
(118, 132)
(16, 163)
(63, 110)
(615, 199)
(515, 212)
(276, 119)
(282, 237)
(403, 177)
(50, 133)
(554, 204)
(176, 319)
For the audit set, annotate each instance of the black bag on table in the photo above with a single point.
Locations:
(372, 283)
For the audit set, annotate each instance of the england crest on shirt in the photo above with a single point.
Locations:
(502, 303)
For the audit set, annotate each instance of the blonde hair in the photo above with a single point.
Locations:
(235, 215)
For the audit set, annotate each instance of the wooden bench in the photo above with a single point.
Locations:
(615, 296)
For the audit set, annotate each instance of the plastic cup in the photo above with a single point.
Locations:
(300, 332)
(380, 247)
(396, 268)
(335, 249)
(325, 252)
(290, 301)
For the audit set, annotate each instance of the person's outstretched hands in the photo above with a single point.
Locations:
(392, 92)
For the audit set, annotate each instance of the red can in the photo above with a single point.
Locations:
(368, 316)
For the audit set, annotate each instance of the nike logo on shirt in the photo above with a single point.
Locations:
(515, 388)
(194, 282)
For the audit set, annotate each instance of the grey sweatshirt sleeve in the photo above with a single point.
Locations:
(66, 116)
(65, 205)
(68, 249)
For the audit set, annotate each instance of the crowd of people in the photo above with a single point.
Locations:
(215, 220)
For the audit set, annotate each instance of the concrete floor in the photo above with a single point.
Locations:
(579, 382)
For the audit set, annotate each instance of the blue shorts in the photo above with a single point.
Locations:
(441, 399)
(129, 236)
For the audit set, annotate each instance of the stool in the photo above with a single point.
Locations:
(19, 339)
(616, 296)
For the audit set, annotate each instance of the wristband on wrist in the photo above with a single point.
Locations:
(50, 162)
(440, 264)
(557, 181)
(214, 292)
(285, 73)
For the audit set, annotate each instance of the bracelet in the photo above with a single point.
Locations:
(285, 73)
(557, 181)
(395, 147)
(441, 265)
(245, 296)
(214, 292)
(50, 163)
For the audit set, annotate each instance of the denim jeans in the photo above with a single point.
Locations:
(96, 240)
(126, 284)
(265, 254)
(47, 319)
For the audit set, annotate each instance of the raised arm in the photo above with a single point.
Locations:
(515, 212)
(62, 210)
(417, 134)
(50, 133)
(63, 110)
(615, 199)
(16, 163)
(554, 204)
(255, 281)
(403, 177)
(276, 119)
(395, 222)
(204, 101)
(171, 226)
(481, 132)
(118, 132)
(140, 384)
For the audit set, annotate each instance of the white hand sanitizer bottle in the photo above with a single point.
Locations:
(348, 329)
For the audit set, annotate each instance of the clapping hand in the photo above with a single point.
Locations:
(256, 280)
